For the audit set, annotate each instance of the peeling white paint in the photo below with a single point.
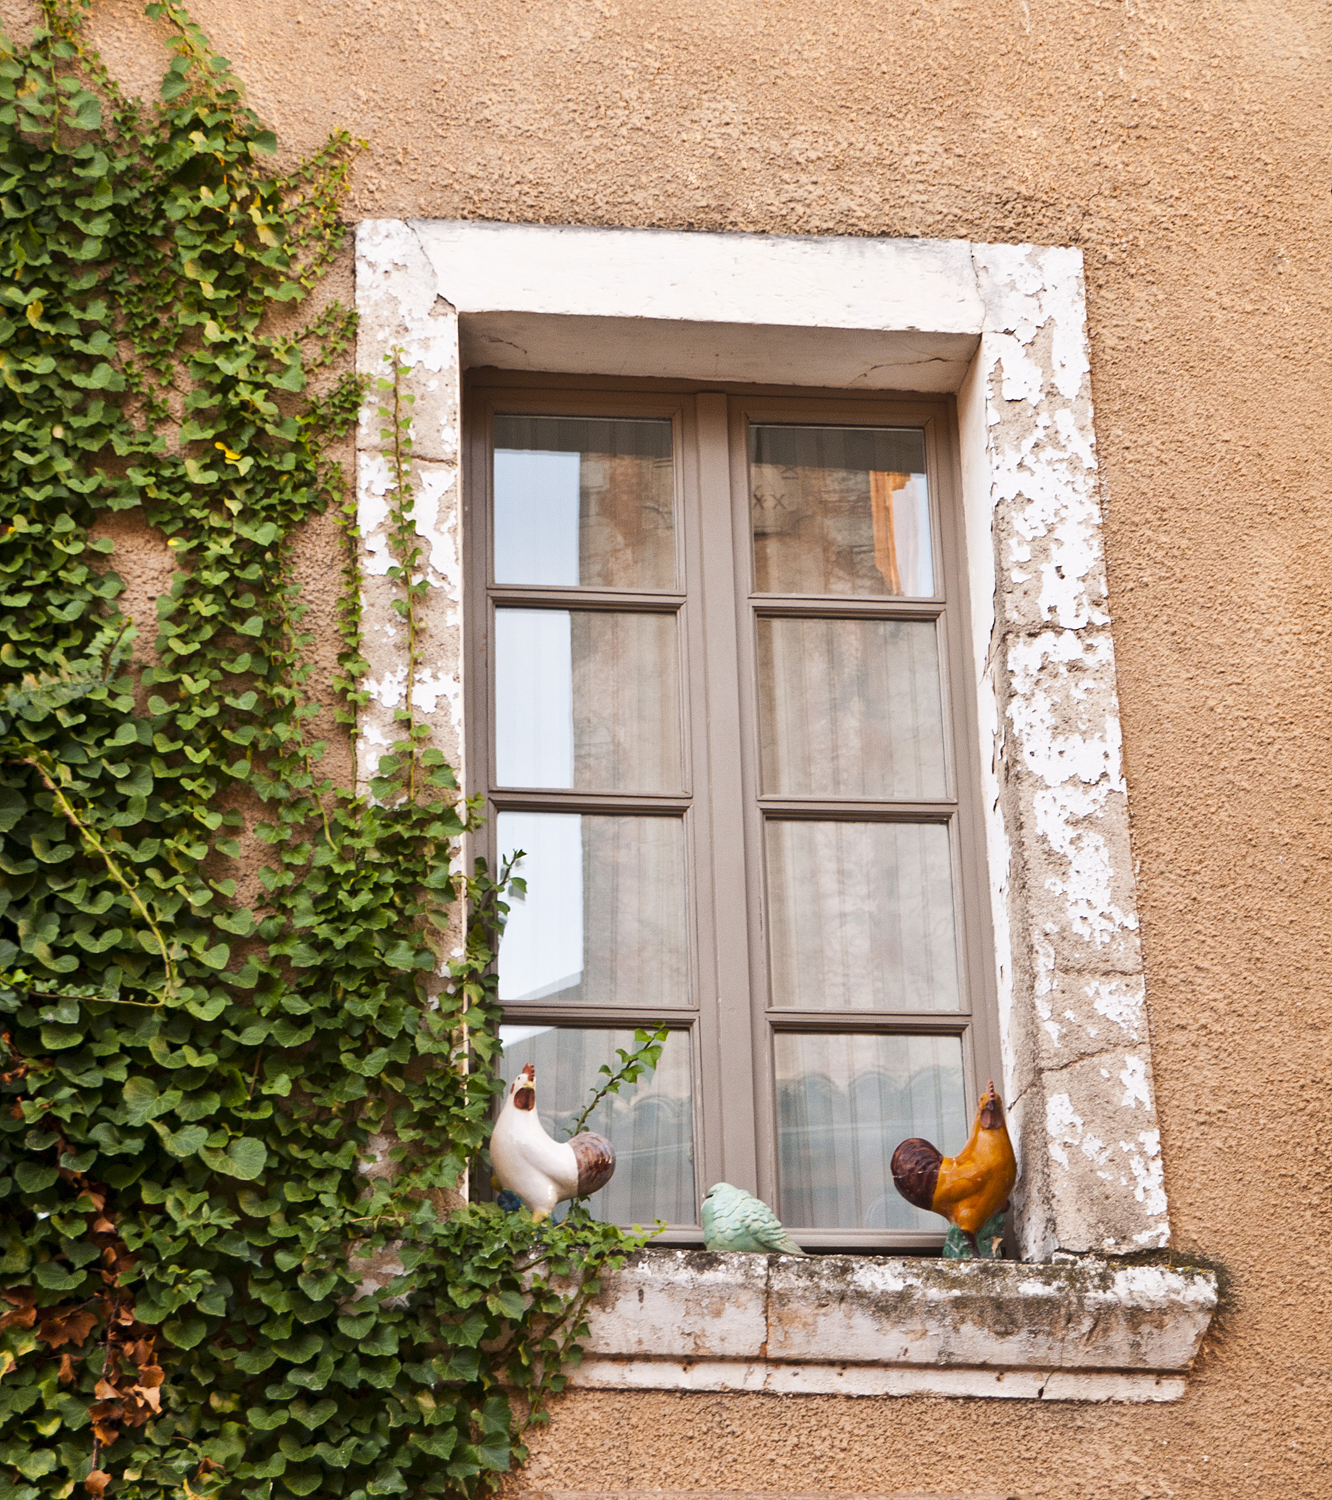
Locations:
(1134, 1079)
(1149, 1186)
(1121, 1001)
(1063, 1124)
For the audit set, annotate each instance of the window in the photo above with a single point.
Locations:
(715, 647)
(1048, 894)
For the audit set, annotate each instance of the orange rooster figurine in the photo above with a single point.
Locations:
(970, 1189)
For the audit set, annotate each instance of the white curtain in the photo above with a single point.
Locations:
(860, 916)
(850, 708)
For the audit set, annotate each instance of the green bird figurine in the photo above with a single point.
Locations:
(735, 1220)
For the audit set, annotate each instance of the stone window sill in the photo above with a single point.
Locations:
(847, 1325)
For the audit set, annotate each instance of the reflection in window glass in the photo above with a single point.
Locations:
(844, 1102)
(603, 921)
(587, 699)
(584, 502)
(649, 1123)
(860, 916)
(841, 510)
(850, 708)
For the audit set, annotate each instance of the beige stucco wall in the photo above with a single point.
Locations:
(1183, 146)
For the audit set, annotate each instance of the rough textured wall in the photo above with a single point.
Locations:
(1183, 145)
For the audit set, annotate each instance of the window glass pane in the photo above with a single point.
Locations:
(650, 1123)
(584, 502)
(844, 1102)
(603, 921)
(587, 699)
(850, 708)
(860, 916)
(840, 510)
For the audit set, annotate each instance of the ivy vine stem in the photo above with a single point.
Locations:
(94, 843)
(406, 550)
(643, 1059)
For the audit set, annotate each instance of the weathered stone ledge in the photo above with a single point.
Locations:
(874, 1326)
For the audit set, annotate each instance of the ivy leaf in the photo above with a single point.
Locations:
(266, 1419)
(508, 1304)
(369, 1066)
(175, 82)
(59, 1038)
(32, 1178)
(55, 1278)
(144, 1103)
(311, 1417)
(436, 1444)
(316, 1288)
(184, 1142)
(185, 1333)
(87, 112)
(402, 955)
(207, 1010)
(255, 1362)
(198, 1106)
(12, 808)
(245, 1158)
(33, 1463)
(494, 1451)
(242, 923)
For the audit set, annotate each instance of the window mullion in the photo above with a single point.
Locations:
(731, 1152)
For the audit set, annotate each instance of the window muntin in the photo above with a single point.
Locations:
(819, 812)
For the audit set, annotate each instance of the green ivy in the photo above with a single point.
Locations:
(203, 1288)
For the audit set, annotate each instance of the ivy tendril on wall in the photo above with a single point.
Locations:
(190, 1085)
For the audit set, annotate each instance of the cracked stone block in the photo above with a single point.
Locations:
(712, 1306)
(1102, 1154)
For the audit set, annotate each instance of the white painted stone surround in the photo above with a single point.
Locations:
(1004, 327)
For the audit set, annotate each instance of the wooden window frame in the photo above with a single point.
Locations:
(729, 1015)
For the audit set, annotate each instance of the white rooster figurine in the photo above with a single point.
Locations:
(543, 1172)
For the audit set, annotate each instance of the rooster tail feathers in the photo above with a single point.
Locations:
(916, 1171)
(596, 1161)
